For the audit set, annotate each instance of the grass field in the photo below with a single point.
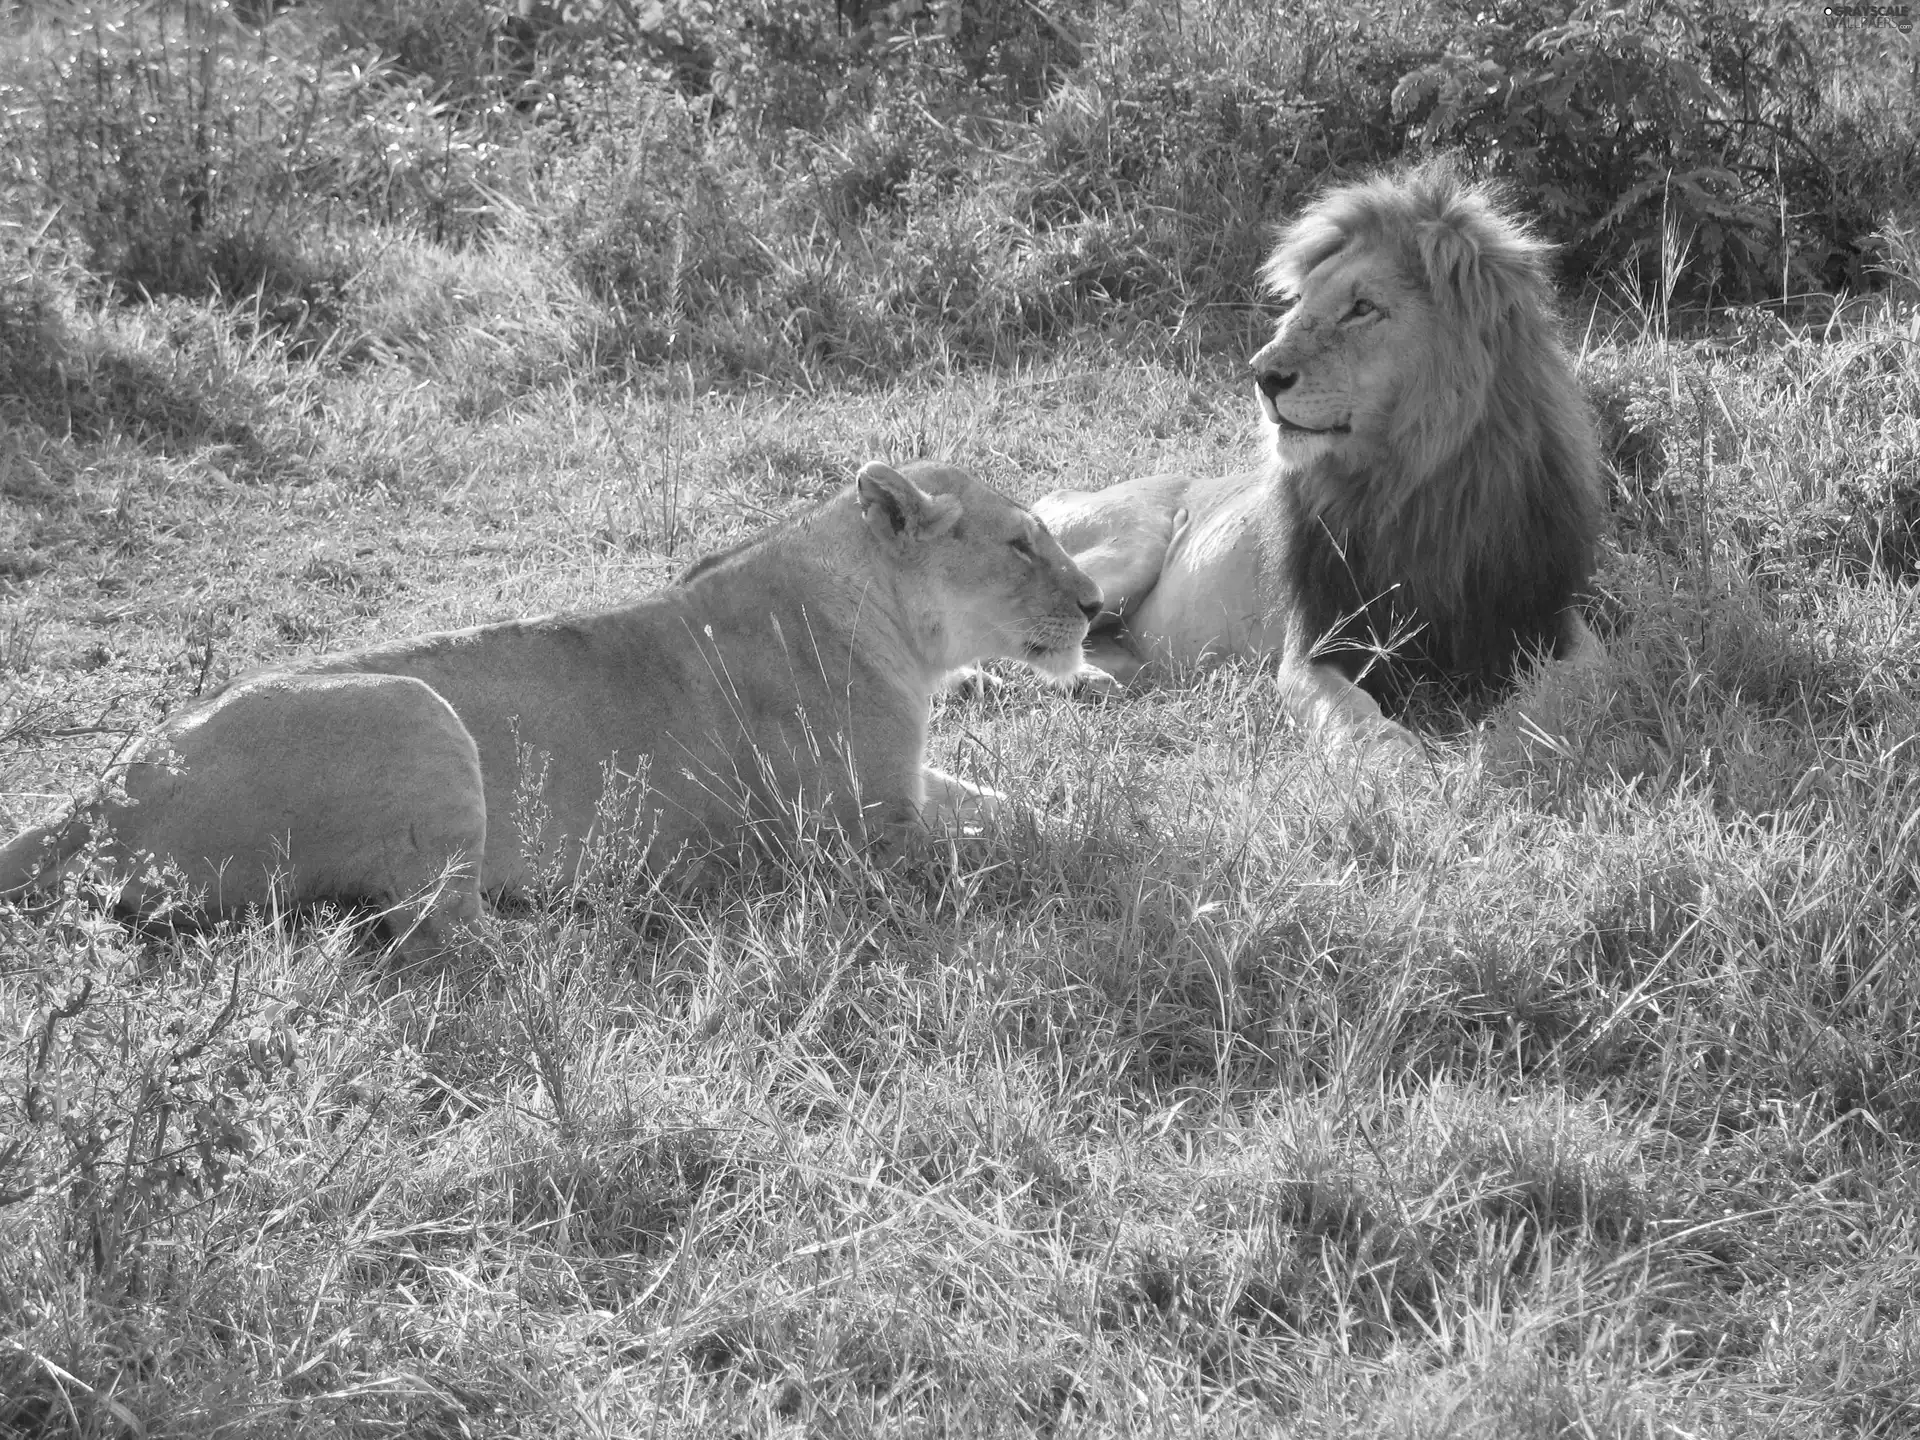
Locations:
(1566, 1083)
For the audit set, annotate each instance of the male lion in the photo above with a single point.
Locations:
(790, 672)
(1433, 497)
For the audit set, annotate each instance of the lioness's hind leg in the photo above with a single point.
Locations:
(34, 858)
(427, 831)
(427, 926)
(317, 787)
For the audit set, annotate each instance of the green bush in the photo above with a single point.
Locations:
(186, 151)
(453, 47)
(649, 221)
(753, 186)
(1654, 133)
(75, 374)
(137, 1102)
(916, 206)
(168, 153)
(778, 65)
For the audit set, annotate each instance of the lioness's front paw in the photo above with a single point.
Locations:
(1090, 682)
(970, 684)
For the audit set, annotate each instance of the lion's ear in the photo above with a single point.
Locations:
(897, 509)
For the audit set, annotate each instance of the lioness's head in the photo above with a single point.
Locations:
(980, 576)
(1401, 299)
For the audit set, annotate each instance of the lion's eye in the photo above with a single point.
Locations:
(1361, 309)
(1284, 303)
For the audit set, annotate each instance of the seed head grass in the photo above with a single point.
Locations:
(1558, 1081)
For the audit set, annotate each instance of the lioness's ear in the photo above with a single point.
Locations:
(896, 508)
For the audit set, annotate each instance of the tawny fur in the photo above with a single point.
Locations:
(788, 676)
(1430, 508)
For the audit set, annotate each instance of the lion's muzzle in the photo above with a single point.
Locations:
(1270, 382)
(1275, 383)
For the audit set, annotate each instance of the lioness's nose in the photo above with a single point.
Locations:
(1274, 383)
(1092, 608)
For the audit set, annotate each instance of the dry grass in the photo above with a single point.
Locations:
(1561, 1085)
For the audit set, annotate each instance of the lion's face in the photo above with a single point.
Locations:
(996, 582)
(1330, 379)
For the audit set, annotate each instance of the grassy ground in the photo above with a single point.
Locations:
(1566, 1084)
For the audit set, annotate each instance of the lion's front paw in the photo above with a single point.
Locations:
(1381, 740)
(1372, 738)
(1392, 732)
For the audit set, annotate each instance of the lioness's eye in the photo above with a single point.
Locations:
(1022, 547)
(1361, 309)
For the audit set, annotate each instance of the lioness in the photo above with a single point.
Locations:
(791, 672)
(1432, 503)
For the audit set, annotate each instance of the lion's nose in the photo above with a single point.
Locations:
(1092, 608)
(1275, 383)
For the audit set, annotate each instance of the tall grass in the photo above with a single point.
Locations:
(772, 192)
(1558, 1084)
(1534, 1090)
(191, 147)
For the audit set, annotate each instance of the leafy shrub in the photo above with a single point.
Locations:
(136, 1104)
(908, 193)
(1698, 444)
(1688, 146)
(1009, 47)
(167, 153)
(1148, 189)
(408, 158)
(783, 66)
(452, 46)
(187, 152)
(651, 223)
(753, 185)
(1652, 131)
(1150, 181)
(74, 373)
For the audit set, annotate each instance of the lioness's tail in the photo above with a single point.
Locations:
(37, 854)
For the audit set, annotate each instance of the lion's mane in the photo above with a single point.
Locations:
(1461, 538)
